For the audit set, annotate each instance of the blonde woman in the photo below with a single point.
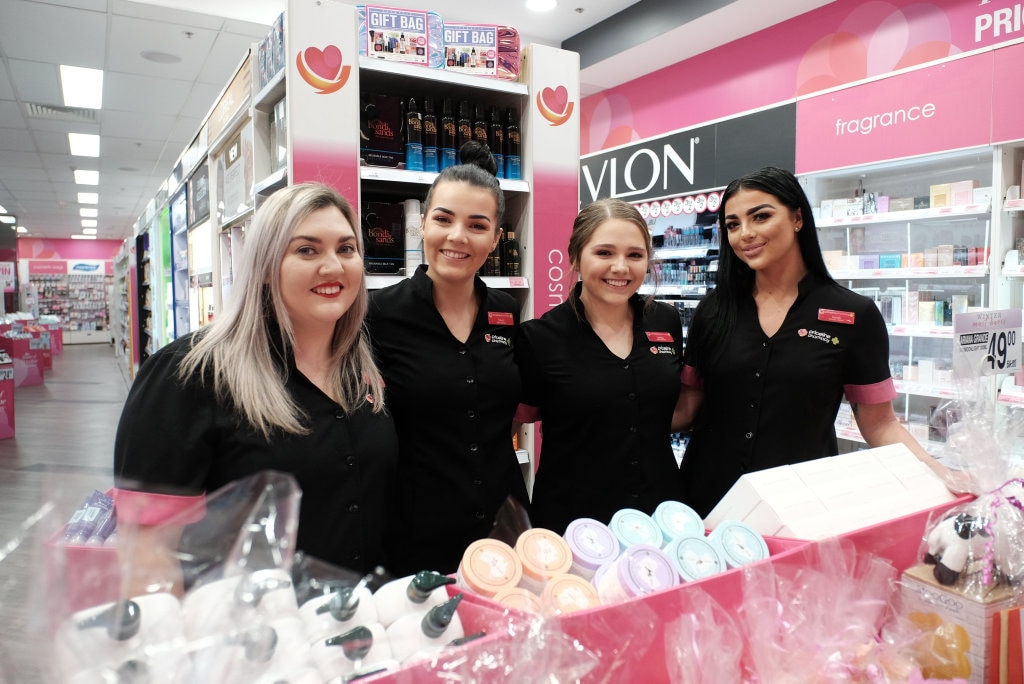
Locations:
(283, 380)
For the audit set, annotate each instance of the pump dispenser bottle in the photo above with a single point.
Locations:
(414, 594)
(414, 636)
(339, 611)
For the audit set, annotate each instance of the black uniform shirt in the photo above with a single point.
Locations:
(177, 439)
(606, 421)
(453, 404)
(771, 401)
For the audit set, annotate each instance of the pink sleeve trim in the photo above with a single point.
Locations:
(146, 508)
(527, 414)
(691, 378)
(876, 393)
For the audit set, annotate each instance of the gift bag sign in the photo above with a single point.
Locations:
(987, 342)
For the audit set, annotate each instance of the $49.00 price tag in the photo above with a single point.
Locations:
(987, 342)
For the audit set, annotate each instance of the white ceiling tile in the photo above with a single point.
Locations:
(17, 160)
(36, 81)
(129, 37)
(10, 114)
(6, 89)
(58, 35)
(137, 94)
(132, 125)
(51, 142)
(225, 57)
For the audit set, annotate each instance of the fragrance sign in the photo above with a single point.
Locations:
(987, 342)
(471, 48)
(397, 35)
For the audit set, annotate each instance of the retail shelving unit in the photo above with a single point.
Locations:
(921, 263)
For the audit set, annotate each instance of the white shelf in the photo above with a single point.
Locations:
(1013, 205)
(394, 175)
(923, 390)
(421, 73)
(271, 93)
(922, 272)
(664, 290)
(685, 252)
(1013, 397)
(275, 181)
(1013, 271)
(377, 281)
(963, 210)
(944, 331)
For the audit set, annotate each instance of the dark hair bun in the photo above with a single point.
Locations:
(479, 154)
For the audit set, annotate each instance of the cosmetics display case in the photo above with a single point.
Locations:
(925, 239)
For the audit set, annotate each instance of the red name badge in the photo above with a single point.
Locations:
(833, 316)
(499, 318)
(659, 336)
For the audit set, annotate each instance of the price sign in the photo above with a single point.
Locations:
(987, 342)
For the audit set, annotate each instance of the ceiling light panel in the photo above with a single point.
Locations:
(84, 144)
(86, 177)
(81, 87)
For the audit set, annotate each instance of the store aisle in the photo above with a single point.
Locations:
(62, 450)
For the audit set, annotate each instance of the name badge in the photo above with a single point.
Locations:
(659, 336)
(833, 316)
(500, 318)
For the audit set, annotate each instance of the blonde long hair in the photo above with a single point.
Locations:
(237, 351)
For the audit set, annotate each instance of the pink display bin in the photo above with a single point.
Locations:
(629, 637)
(56, 337)
(6, 400)
(899, 540)
(45, 343)
(26, 353)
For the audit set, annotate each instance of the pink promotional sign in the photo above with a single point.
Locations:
(1007, 101)
(47, 267)
(942, 107)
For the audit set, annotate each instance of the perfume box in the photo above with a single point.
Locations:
(944, 255)
(867, 261)
(901, 203)
(945, 610)
(915, 260)
(380, 130)
(848, 206)
(890, 260)
(982, 195)
(924, 202)
(882, 204)
(939, 195)
(911, 302)
(825, 209)
(962, 192)
(383, 226)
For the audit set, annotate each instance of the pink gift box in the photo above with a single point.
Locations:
(27, 355)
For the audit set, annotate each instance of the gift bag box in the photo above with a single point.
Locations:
(922, 598)
(56, 337)
(44, 343)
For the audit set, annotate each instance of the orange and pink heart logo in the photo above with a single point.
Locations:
(554, 105)
(323, 69)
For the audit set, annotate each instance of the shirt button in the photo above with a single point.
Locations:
(625, 366)
(749, 435)
(631, 395)
(479, 515)
(765, 343)
(462, 351)
(473, 448)
(753, 404)
(757, 374)
(635, 495)
(357, 557)
(632, 428)
(350, 460)
(471, 414)
(470, 379)
(635, 462)
(354, 508)
(477, 483)
(339, 414)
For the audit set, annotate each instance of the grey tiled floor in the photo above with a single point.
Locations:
(61, 451)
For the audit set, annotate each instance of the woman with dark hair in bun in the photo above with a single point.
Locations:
(443, 341)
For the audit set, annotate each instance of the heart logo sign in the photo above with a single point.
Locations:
(323, 69)
(554, 105)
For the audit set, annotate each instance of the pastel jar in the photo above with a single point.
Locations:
(488, 566)
(632, 527)
(544, 554)
(592, 544)
(641, 569)
(567, 594)
(519, 599)
(676, 519)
